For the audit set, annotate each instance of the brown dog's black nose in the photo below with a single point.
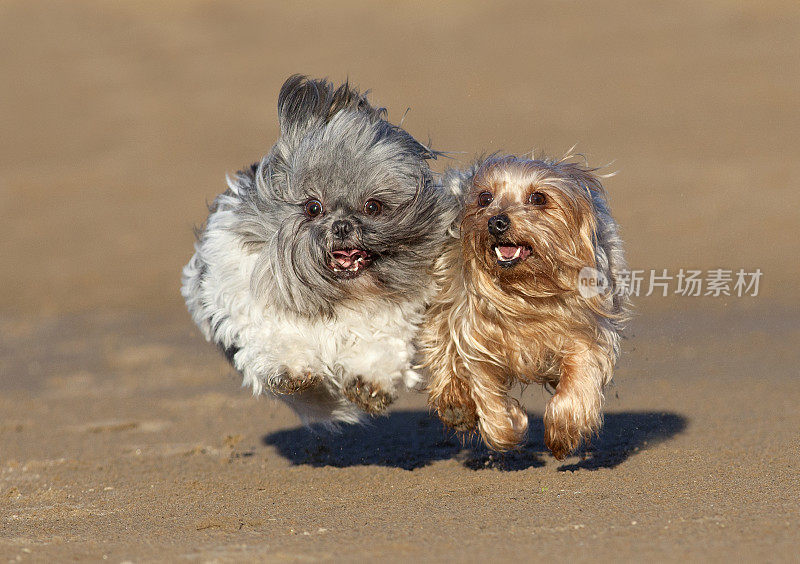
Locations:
(499, 224)
(341, 228)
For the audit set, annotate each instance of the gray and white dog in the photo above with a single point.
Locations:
(313, 268)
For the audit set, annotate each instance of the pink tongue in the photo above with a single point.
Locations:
(508, 252)
(345, 259)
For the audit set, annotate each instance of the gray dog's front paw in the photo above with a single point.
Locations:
(367, 396)
(291, 383)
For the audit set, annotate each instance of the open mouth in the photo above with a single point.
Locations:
(509, 254)
(349, 263)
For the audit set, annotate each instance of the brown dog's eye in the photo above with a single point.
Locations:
(373, 207)
(313, 208)
(484, 199)
(537, 199)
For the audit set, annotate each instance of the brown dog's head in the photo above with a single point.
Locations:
(531, 223)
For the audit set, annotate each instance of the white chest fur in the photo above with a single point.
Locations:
(370, 338)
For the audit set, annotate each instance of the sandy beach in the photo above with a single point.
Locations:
(124, 436)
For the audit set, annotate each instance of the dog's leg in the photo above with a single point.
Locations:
(451, 398)
(501, 421)
(290, 382)
(370, 370)
(263, 372)
(574, 413)
(369, 396)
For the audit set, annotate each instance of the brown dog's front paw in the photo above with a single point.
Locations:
(290, 383)
(561, 444)
(367, 395)
(569, 420)
(458, 418)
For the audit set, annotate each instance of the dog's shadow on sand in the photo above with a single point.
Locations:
(413, 439)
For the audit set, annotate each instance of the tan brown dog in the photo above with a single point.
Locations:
(509, 306)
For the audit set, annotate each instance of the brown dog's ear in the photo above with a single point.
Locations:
(591, 234)
(588, 240)
(589, 191)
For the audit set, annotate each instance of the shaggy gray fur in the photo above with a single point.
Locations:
(335, 147)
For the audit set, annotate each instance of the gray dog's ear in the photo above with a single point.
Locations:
(305, 103)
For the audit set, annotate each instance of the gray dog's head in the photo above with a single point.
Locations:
(343, 207)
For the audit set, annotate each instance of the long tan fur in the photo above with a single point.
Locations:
(490, 326)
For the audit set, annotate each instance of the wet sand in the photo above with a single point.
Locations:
(123, 435)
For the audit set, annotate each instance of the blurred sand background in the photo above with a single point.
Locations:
(123, 435)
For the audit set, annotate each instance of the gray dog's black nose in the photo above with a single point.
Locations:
(341, 228)
(499, 224)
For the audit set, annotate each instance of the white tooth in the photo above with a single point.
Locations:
(499, 254)
(516, 255)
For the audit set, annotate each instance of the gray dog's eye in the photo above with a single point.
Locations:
(313, 208)
(372, 207)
